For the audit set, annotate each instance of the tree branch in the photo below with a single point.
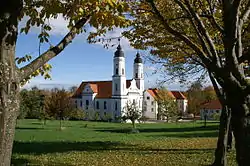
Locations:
(177, 34)
(212, 18)
(27, 70)
(245, 14)
(204, 32)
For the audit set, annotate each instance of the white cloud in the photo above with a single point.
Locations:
(59, 26)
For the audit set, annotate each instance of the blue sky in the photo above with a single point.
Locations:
(81, 61)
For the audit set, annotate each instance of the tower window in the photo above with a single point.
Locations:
(116, 71)
(136, 75)
(122, 71)
(80, 103)
(105, 105)
(141, 75)
(87, 104)
(116, 105)
(116, 88)
(97, 104)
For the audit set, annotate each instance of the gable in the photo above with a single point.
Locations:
(102, 88)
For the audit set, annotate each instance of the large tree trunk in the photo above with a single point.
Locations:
(221, 150)
(241, 131)
(9, 82)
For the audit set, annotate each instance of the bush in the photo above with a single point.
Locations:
(216, 116)
(76, 114)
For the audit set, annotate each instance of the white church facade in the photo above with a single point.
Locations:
(107, 99)
(104, 100)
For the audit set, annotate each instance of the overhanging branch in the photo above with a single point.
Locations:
(179, 35)
(27, 70)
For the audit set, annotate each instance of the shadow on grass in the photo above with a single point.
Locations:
(39, 148)
(175, 151)
(53, 147)
(188, 135)
(19, 162)
(29, 128)
(153, 130)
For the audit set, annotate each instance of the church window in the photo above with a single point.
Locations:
(136, 75)
(116, 88)
(152, 103)
(133, 101)
(105, 105)
(148, 98)
(80, 103)
(97, 104)
(116, 105)
(122, 71)
(141, 75)
(152, 109)
(87, 104)
(116, 71)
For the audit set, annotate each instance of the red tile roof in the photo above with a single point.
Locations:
(102, 88)
(178, 95)
(155, 93)
(212, 105)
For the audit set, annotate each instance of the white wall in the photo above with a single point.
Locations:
(150, 106)
(210, 113)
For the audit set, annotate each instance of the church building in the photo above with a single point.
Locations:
(107, 99)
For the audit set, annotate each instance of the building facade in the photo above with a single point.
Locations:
(107, 99)
(211, 110)
(152, 105)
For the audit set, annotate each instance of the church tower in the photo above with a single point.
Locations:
(119, 78)
(138, 72)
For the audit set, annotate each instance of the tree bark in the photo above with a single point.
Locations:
(221, 150)
(9, 80)
(241, 131)
(133, 123)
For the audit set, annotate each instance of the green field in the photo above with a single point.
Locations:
(97, 143)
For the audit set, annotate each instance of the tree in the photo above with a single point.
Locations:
(59, 104)
(131, 112)
(167, 106)
(198, 95)
(195, 98)
(31, 104)
(100, 15)
(195, 35)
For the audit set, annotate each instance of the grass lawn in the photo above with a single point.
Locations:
(97, 143)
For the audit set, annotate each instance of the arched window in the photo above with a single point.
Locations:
(115, 105)
(116, 71)
(122, 71)
(97, 104)
(105, 105)
(136, 75)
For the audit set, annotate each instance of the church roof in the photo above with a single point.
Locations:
(155, 93)
(102, 88)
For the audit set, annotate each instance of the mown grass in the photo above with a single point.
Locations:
(97, 143)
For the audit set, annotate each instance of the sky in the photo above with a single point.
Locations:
(81, 61)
